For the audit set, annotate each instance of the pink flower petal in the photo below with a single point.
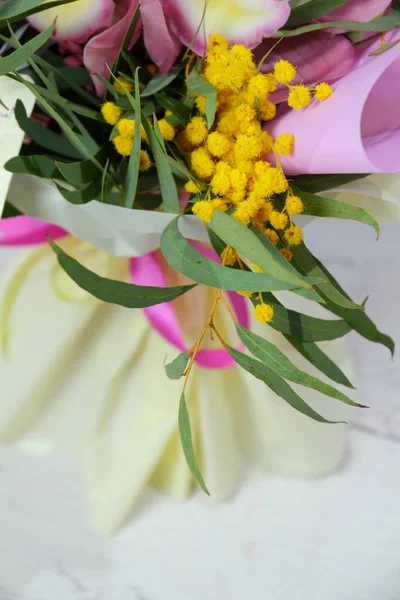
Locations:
(357, 10)
(102, 50)
(240, 21)
(318, 56)
(77, 21)
(160, 43)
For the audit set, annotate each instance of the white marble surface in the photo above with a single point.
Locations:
(336, 537)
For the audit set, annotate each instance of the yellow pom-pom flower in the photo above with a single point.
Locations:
(144, 161)
(123, 145)
(284, 71)
(228, 257)
(218, 144)
(126, 127)
(217, 43)
(111, 113)
(278, 220)
(191, 187)
(221, 181)
(264, 312)
(299, 97)
(200, 102)
(286, 254)
(323, 91)
(267, 109)
(284, 144)
(196, 131)
(294, 236)
(122, 84)
(248, 147)
(202, 163)
(204, 209)
(167, 130)
(272, 236)
(294, 205)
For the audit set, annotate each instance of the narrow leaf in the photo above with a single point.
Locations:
(276, 383)
(176, 368)
(386, 23)
(313, 184)
(82, 196)
(200, 87)
(307, 263)
(116, 292)
(81, 172)
(187, 443)
(326, 207)
(312, 10)
(167, 183)
(258, 250)
(185, 259)
(11, 10)
(21, 55)
(132, 175)
(38, 165)
(161, 81)
(278, 362)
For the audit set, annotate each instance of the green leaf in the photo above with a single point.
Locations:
(357, 319)
(320, 183)
(11, 10)
(326, 207)
(21, 55)
(187, 443)
(307, 264)
(176, 368)
(185, 259)
(181, 113)
(38, 165)
(132, 175)
(278, 362)
(312, 10)
(116, 292)
(384, 48)
(200, 87)
(160, 81)
(386, 23)
(43, 135)
(319, 360)
(303, 327)
(81, 172)
(167, 183)
(82, 196)
(275, 382)
(254, 247)
(10, 211)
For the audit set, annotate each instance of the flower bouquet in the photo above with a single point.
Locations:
(195, 140)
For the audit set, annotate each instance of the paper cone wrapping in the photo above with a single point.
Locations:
(357, 130)
(87, 378)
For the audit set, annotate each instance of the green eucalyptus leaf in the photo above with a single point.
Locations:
(82, 196)
(39, 165)
(200, 87)
(180, 113)
(386, 23)
(254, 247)
(313, 353)
(308, 11)
(160, 81)
(313, 184)
(187, 443)
(275, 382)
(10, 211)
(132, 175)
(306, 262)
(11, 10)
(43, 135)
(81, 172)
(384, 48)
(278, 362)
(116, 292)
(303, 327)
(326, 207)
(17, 58)
(166, 180)
(176, 368)
(185, 259)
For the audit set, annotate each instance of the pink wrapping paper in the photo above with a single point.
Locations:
(357, 130)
